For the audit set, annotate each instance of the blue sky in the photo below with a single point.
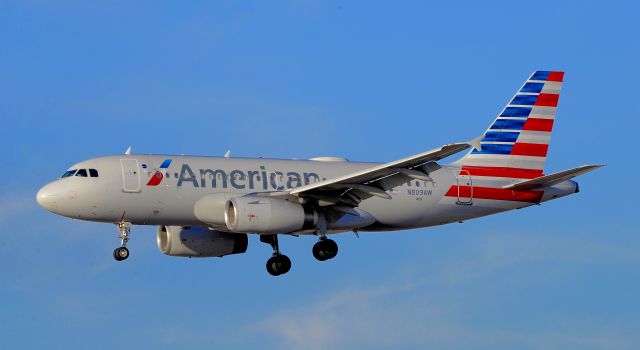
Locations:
(366, 80)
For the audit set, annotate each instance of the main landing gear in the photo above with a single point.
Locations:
(122, 253)
(325, 249)
(278, 264)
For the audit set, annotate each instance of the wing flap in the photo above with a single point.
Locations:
(550, 180)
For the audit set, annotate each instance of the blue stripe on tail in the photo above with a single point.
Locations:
(493, 136)
(516, 112)
(508, 124)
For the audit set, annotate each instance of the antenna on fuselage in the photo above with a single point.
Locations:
(227, 154)
(128, 151)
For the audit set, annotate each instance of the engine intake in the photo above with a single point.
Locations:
(267, 215)
(199, 242)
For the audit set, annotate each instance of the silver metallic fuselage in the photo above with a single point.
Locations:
(122, 195)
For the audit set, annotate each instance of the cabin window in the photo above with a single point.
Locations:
(93, 172)
(82, 173)
(69, 173)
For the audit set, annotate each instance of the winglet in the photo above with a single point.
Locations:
(128, 151)
(227, 154)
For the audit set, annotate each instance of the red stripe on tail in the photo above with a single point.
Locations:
(537, 124)
(555, 76)
(529, 149)
(549, 100)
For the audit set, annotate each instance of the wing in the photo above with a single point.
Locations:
(550, 180)
(352, 188)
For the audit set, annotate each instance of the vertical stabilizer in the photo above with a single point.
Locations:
(517, 142)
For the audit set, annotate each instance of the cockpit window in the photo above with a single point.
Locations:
(81, 173)
(69, 173)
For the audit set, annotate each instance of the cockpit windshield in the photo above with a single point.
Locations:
(69, 173)
(80, 173)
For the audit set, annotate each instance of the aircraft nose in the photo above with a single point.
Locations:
(47, 197)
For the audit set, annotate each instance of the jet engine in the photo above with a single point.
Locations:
(268, 215)
(210, 209)
(199, 242)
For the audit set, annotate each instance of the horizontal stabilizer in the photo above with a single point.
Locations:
(550, 180)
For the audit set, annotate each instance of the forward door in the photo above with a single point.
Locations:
(130, 175)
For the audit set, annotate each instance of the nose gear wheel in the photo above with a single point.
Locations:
(122, 253)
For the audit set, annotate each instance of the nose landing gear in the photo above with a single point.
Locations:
(122, 253)
(278, 264)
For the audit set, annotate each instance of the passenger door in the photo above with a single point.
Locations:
(130, 175)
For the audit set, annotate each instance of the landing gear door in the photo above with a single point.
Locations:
(465, 188)
(130, 175)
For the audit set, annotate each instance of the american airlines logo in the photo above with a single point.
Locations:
(157, 176)
(240, 179)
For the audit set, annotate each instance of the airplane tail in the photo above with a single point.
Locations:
(516, 143)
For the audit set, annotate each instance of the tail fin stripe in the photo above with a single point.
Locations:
(529, 149)
(516, 112)
(556, 76)
(535, 124)
(528, 136)
(540, 75)
(543, 112)
(552, 87)
(527, 100)
(532, 87)
(548, 76)
(492, 148)
(509, 124)
(501, 136)
(549, 100)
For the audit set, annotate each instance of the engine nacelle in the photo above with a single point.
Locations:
(199, 242)
(210, 209)
(267, 215)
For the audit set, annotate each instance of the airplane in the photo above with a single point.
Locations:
(207, 206)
